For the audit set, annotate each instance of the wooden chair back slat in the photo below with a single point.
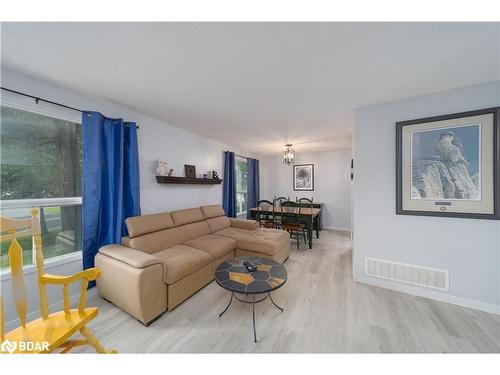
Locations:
(37, 248)
(17, 228)
(19, 292)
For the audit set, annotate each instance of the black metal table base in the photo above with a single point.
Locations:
(253, 301)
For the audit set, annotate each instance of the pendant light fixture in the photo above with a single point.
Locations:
(288, 155)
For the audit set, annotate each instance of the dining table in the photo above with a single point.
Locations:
(305, 212)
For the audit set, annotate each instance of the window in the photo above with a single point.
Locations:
(41, 166)
(241, 186)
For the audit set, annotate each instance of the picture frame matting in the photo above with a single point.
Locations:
(426, 143)
(303, 177)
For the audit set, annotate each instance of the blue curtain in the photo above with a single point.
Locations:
(253, 189)
(229, 185)
(110, 181)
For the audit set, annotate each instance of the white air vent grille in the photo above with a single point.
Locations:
(407, 273)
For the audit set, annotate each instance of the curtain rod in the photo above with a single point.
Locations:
(241, 156)
(38, 99)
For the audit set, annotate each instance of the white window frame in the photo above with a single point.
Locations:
(46, 109)
(24, 103)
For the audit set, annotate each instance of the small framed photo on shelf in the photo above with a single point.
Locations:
(449, 165)
(190, 170)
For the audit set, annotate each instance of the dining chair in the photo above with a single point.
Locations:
(293, 222)
(52, 331)
(278, 217)
(265, 217)
(308, 219)
(281, 200)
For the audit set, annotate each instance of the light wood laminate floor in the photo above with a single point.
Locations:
(325, 311)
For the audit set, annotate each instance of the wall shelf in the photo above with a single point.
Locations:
(187, 180)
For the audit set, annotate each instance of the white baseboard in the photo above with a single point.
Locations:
(338, 228)
(431, 294)
(57, 306)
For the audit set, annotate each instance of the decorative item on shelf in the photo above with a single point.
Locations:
(205, 175)
(190, 170)
(161, 168)
(303, 177)
(215, 175)
(448, 165)
(209, 174)
(288, 155)
(170, 172)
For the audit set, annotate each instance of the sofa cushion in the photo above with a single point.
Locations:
(218, 223)
(187, 216)
(134, 258)
(152, 242)
(180, 261)
(214, 210)
(139, 225)
(262, 240)
(190, 231)
(243, 223)
(215, 246)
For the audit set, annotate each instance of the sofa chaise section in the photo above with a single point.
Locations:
(250, 239)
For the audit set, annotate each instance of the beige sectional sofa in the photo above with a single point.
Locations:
(169, 256)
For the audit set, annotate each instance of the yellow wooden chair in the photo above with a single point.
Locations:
(51, 331)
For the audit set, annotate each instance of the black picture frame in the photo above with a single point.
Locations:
(295, 167)
(495, 111)
(190, 171)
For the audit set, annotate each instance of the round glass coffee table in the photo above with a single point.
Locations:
(232, 275)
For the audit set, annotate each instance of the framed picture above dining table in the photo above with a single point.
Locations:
(303, 177)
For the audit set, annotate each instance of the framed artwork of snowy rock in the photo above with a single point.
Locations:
(449, 165)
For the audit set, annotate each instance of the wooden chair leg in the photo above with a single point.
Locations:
(70, 344)
(94, 342)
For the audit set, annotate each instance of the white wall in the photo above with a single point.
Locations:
(157, 140)
(468, 248)
(332, 184)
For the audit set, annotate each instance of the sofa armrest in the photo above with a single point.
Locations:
(127, 255)
(243, 223)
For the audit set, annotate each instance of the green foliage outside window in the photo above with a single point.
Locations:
(41, 157)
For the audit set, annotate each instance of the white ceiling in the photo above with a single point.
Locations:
(256, 86)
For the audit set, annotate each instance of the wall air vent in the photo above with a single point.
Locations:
(407, 273)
